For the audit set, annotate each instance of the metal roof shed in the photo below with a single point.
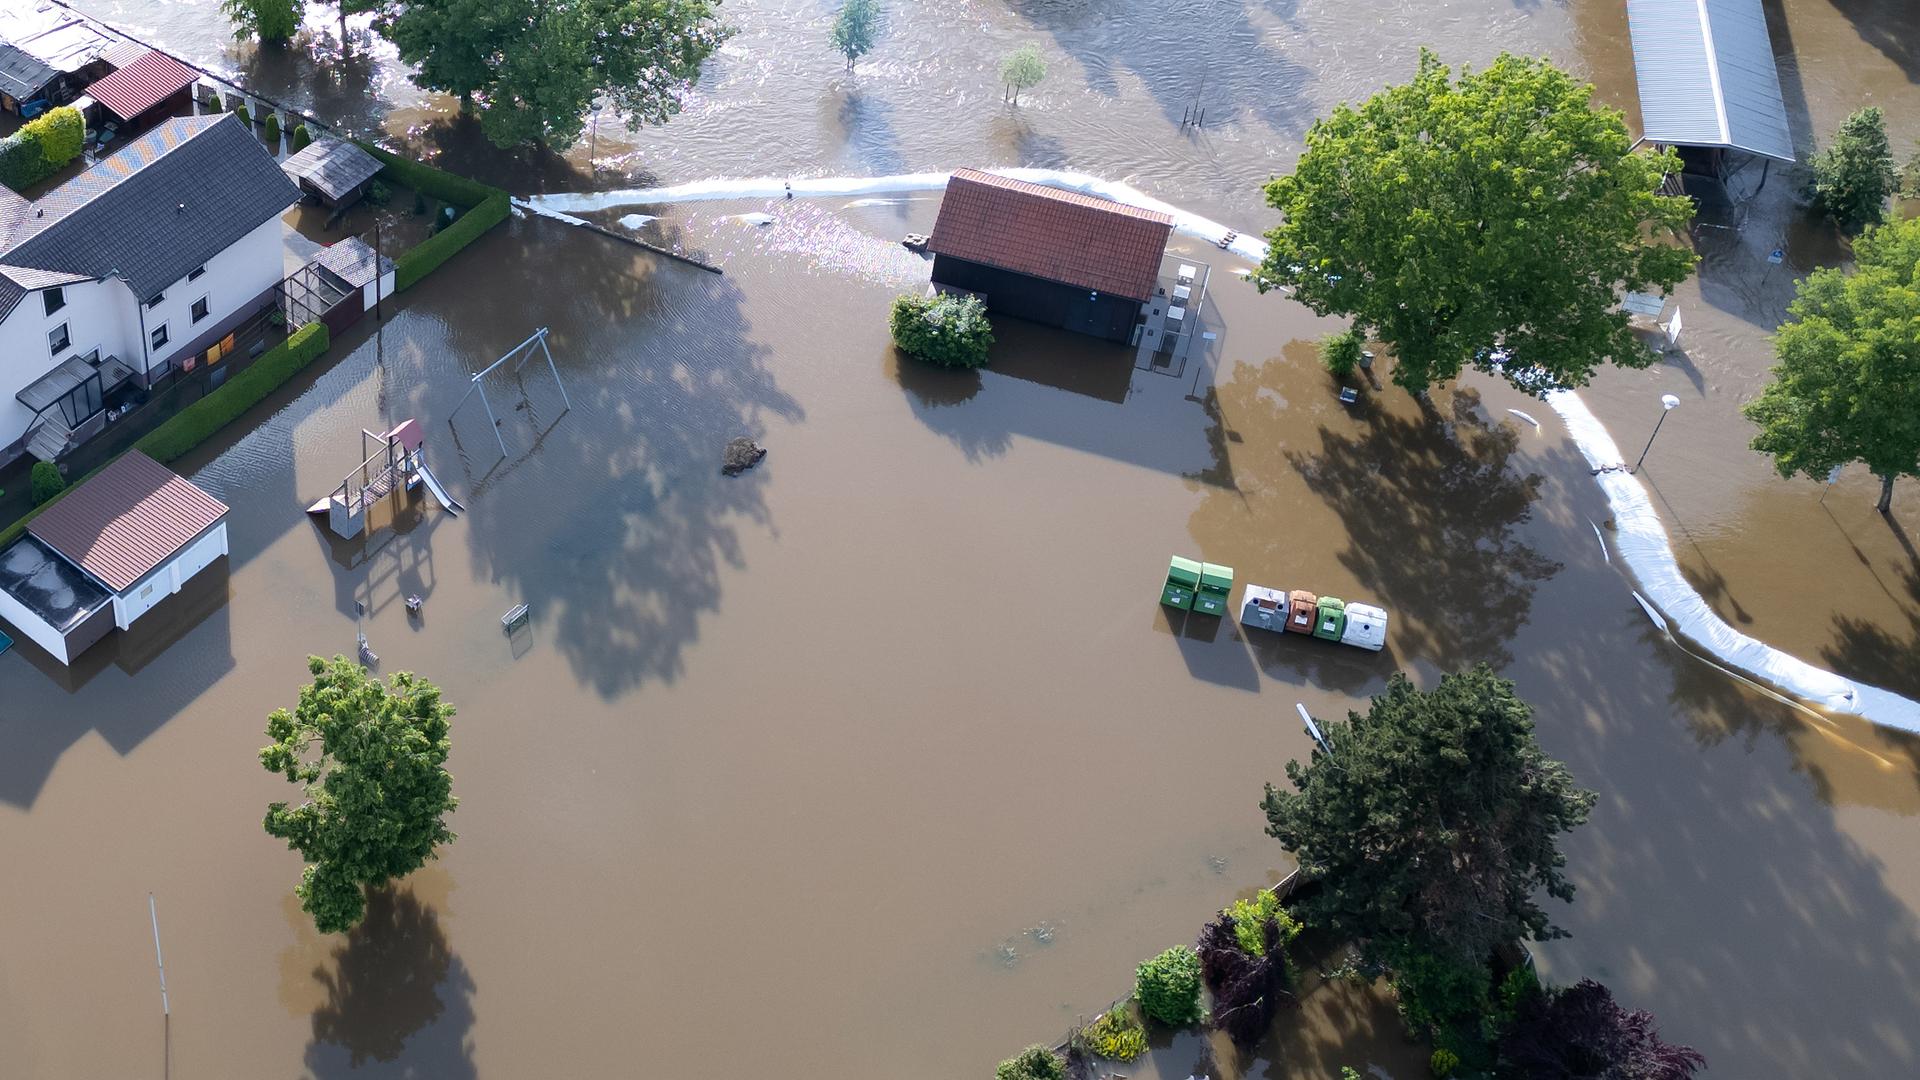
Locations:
(143, 85)
(1707, 77)
(333, 170)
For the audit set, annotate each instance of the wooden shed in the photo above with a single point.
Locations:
(333, 171)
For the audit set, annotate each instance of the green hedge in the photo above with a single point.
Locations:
(485, 206)
(41, 147)
(194, 424)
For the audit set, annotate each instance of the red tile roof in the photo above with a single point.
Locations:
(142, 84)
(1063, 236)
(131, 517)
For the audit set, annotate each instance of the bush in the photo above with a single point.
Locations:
(1247, 986)
(1853, 177)
(1033, 1063)
(945, 329)
(213, 104)
(379, 194)
(21, 162)
(245, 114)
(1251, 919)
(47, 481)
(273, 127)
(197, 422)
(1341, 352)
(302, 138)
(41, 147)
(459, 190)
(1168, 987)
(1443, 1064)
(1116, 1035)
(445, 218)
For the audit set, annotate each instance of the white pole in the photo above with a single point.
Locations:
(153, 914)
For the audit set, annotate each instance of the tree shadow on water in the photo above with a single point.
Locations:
(635, 519)
(399, 1002)
(1431, 508)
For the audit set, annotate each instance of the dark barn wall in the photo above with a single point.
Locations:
(1046, 302)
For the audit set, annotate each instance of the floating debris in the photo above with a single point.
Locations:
(916, 242)
(1043, 934)
(740, 455)
(634, 221)
(1218, 864)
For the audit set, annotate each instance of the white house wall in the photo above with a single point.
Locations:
(168, 578)
(234, 278)
(96, 317)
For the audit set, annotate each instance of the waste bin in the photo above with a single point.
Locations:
(1183, 578)
(1366, 627)
(1265, 608)
(1332, 620)
(1216, 583)
(1301, 611)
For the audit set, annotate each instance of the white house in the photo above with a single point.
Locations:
(144, 263)
(108, 553)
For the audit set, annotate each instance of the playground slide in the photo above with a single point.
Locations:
(433, 484)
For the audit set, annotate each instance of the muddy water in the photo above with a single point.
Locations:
(889, 730)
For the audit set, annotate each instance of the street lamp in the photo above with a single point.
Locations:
(593, 140)
(1667, 404)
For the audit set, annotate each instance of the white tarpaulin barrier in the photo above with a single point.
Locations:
(1640, 538)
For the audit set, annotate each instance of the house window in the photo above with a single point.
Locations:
(154, 301)
(58, 339)
(199, 309)
(194, 274)
(55, 298)
(160, 336)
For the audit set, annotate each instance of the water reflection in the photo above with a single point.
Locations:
(395, 986)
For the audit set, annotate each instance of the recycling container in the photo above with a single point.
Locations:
(1332, 618)
(1216, 583)
(1366, 627)
(1183, 579)
(1264, 608)
(1302, 611)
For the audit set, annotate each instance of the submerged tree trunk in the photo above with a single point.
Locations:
(1886, 494)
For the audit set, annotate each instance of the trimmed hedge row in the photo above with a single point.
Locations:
(485, 206)
(194, 424)
(41, 147)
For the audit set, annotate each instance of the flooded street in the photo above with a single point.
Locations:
(880, 759)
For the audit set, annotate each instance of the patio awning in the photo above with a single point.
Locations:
(141, 85)
(47, 390)
(1707, 77)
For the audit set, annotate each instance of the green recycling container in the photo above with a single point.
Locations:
(1216, 582)
(1183, 579)
(1331, 620)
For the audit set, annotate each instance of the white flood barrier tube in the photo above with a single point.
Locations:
(1641, 539)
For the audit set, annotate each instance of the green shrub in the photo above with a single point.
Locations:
(379, 194)
(449, 187)
(245, 114)
(1340, 352)
(1853, 177)
(1250, 919)
(1117, 1035)
(197, 422)
(1168, 987)
(47, 481)
(1443, 1064)
(302, 138)
(1033, 1063)
(62, 133)
(273, 127)
(945, 329)
(213, 104)
(21, 162)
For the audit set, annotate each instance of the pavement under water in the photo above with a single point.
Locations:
(880, 756)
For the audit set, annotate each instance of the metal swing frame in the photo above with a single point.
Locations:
(524, 350)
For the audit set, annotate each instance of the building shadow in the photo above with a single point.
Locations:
(1184, 68)
(399, 1002)
(1213, 647)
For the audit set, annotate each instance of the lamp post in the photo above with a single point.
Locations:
(593, 140)
(1667, 404)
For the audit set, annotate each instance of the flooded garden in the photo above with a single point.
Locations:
(880, 757)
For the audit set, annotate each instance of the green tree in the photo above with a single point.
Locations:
(46, 481)
(1854, 177)
(946, 329)
(1033, 1063)
(377, 789)
(1450, 217)
(1168, 986)
(1023, 69)
(1431, 822)
(1846, 387)
(532, 68)
(854, 29)
(271, 22)
(1340, 352)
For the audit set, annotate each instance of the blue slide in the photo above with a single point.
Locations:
(433, 484)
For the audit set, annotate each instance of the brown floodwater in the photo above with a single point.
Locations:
(881, 758)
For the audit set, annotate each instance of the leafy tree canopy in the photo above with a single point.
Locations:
(1847, 384)
(533, 68)
(1431, 821)
(947, 329)
(272, 22)
(1450, 217)
(854, 29)
(377, 791)
(1854, 177)
(1023, 69)
(1580, 1033)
